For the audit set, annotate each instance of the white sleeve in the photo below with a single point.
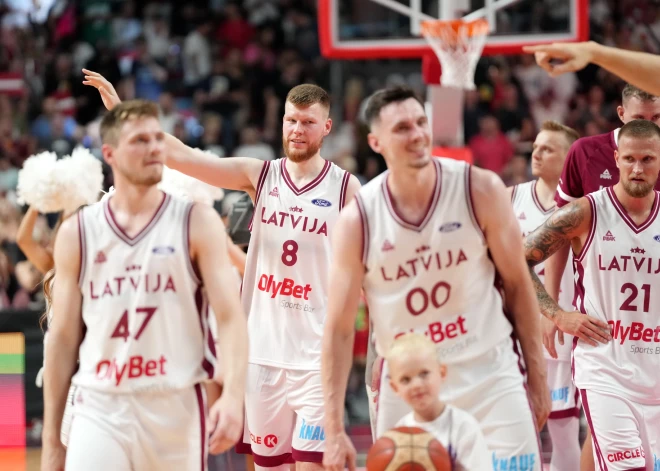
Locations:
(471, 451)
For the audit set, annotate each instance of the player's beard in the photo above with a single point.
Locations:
(147, 179)
(301, 155)
(637, 189)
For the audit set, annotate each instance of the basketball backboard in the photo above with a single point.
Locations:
(390, 29)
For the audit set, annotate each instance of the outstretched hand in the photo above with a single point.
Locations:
(560, 58)
(105, 88)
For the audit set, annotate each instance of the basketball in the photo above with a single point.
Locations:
(408, 449)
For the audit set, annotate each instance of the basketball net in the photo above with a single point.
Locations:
(458, 45)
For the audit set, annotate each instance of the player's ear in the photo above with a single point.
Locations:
(374, 142)
(620, 112)
(616, 157)
(328, 127)
(107, 151)
(443, 371)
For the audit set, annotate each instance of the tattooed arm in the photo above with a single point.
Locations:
(569, 224)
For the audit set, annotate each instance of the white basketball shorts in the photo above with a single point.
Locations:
(164, 431)
(492, 389)
(625, 434)
(67, 417)
(563, 393)
(284, 416)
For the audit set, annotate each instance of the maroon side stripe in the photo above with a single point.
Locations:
(202, 425)
(602, 463)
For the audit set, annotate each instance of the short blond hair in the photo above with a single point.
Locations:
(410, 343)
(123, 112)
(569, 133)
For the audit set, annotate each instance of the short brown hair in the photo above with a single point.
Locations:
(640, 129)
(570, 134)
(386, 96)
(125, 111)
(307, 95)
(630, 91)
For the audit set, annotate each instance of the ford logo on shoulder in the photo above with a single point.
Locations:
(656, 238)
(322, 203)
(450, 227)
(163, 250)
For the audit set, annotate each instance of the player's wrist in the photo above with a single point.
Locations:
(594, 51)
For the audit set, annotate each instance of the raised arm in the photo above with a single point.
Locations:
(640, 69)
(37, 254)
(568, 225)
(346, 276)
(492, 207)
(64, 338)
(209, 252)
(232, 173)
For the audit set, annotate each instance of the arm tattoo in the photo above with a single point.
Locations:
(548, 305)
(553, 234)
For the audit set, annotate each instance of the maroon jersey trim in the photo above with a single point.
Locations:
(119, 232)
(82, 246)
(537, 201)
(344, 187)
(624, 215)
(311, 185)
(428, 214)
(470, 202)
(365, 229)
(186, 243)
(513, 194)
(260, 187)
(592, 230)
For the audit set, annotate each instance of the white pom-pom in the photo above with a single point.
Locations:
(83, 175)
(51, 185)
(38, 183)
(189, 188)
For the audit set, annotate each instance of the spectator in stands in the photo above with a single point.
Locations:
(490, 148)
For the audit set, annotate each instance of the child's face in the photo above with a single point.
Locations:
(416, 378)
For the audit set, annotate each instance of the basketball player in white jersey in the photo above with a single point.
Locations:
(615, 237)
(427, 240)
(135, 274)
(297, 201)
(533, 202)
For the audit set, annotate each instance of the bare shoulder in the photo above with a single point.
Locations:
(66, 252)
(348, 229)
(484, 182)
(490, 199)
(204, 219)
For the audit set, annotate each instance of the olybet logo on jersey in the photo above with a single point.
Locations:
(287, 287)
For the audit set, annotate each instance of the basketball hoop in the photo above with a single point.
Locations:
(458, 45)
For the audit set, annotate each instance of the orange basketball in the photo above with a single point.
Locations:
(408, 449)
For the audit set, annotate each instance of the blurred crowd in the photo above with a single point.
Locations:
(221, 69)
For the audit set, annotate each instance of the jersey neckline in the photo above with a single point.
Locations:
(313, 184)
(628, 220)
(389, 202)
(119, 231)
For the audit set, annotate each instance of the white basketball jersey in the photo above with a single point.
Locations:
(144, 309)
(531, 214)
(435, 277)
(286, 273)
(618, 282)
